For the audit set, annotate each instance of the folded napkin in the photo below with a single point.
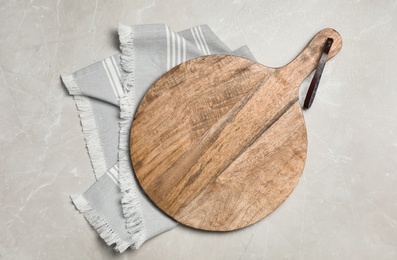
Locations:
(107, 94)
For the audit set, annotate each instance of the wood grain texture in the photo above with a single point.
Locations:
(219, 142)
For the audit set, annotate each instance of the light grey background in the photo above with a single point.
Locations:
(345, 205)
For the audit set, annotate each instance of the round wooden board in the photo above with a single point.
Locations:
(219, 141)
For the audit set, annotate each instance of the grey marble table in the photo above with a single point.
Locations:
(345, 205)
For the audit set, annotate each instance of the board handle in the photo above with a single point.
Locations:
(307, 60)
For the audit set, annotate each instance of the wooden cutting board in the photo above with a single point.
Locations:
(219, 141)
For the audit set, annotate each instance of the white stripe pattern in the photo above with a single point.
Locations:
(176, 49)
(116, 67)
(173, 48)
(183, 50)
(195, 39)
(167, 31)
(113, 173)
(199, 39)
(204, 41)
(179, 47)
(114, 76)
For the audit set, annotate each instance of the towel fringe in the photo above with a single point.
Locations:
(130, 203)
(91, 135)
(70, 84)
(99, 223)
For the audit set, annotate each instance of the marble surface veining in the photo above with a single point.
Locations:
(345, 205)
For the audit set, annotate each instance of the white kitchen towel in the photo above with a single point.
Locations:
(107, 93)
